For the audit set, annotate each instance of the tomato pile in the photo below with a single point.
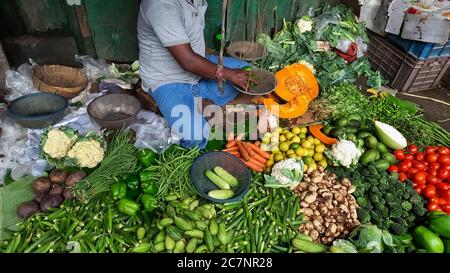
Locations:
(430, 173)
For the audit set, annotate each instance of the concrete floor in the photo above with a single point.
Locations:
(434, 111)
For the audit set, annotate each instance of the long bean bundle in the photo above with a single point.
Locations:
(120, 159)
(171, 171)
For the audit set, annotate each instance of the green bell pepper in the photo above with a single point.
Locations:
(147, 157)
(133, 184)
(147, 183)
(149, 202)
(128, 206)
(119, 190)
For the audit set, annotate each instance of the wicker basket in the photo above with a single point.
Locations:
(63, 80)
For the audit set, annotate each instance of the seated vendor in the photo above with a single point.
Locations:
(174, 67)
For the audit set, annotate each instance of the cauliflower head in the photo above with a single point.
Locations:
(57, 144)
(346, 152)
(304, 24)
(88, 154)
(285, 173)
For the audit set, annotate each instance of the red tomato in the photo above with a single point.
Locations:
(447, 167)
(446, 208)
(399, 154)
(443, 151)
(432, 206)
(432, 179)
(418, 190)
(429, 191)
(411, 172)
(444, 159)
(434, 166)
(402, 168)
(420, 177)
(444, 194)
(442, 173)
(420, 166)
(429, 150)
(413, 149)
(393, 169)
(409, 157)
(432, 172)
(419, 156)
(402, 176)
(431, 158)
(441, 201)
(443, 186)
(408, 163)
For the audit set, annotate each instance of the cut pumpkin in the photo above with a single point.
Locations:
(292, 109)
(316, 131)
(296, 80)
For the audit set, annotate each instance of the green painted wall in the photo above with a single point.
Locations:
(113, 22)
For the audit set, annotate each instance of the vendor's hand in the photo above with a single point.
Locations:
(239, 78)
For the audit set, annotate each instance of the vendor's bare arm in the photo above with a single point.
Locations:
(196, 64)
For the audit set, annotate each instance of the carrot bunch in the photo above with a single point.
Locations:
(250, 153)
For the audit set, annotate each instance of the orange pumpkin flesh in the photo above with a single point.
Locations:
(316, 131)
(296, 80)
(292, 109)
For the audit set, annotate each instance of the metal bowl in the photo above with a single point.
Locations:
(266, 83)
(38, 110)
(228, 162)
(114, 111)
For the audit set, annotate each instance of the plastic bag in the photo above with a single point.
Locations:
(362, 47)
(20, 82)
(94, 68)
(152, 132)
(322, 21)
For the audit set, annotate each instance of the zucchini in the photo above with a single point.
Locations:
(226, 176)
(219, 182)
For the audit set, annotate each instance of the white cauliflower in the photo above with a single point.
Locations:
(308, 65)
(87, 153)
(304, 24)
(285, 173)
(57, 143)
(346, 153)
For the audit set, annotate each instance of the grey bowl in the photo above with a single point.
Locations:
(114, 111)
(231, 164)
(38, 110)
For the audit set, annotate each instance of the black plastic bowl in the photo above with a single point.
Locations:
(38, 110)
(228, 162)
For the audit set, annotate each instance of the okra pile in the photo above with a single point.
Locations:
(94, 227)
(265, 221)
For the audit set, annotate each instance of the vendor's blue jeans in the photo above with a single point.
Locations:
(176, 101)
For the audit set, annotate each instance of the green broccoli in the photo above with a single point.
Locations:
(395, 213)
(378, 206)
(363, 215)
(419, 209)
(362, 201)
(390, 198)
(411, 218)
(407, 205)
(374, 198)
(398, 228)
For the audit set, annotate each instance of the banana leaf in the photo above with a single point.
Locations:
(11, 196)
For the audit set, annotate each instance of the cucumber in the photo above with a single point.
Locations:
(342, 122)
(193, 215)
(221, 194)
(183, 223)
(180, 246)
(381, 164)
(369, 156)
(213, 227)
(219, 182)
(381, 148)
(174, 233)
(192, 245)
(195, 233)
(307, 246)
(389, 157)
(371, 142)
(201, 225)
(166, 222)
(226, 176)
(169, 243)
(428, 240)
(440, 224)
